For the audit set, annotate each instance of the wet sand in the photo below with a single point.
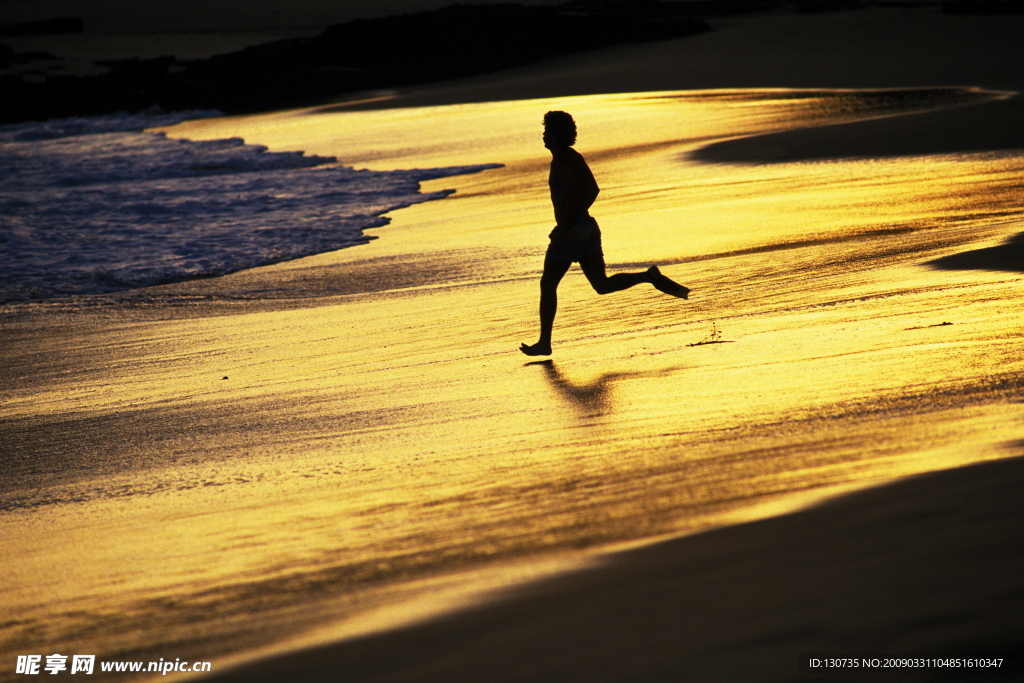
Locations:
(927, 565)
(296, 454)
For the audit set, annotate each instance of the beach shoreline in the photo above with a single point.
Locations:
(385, 395)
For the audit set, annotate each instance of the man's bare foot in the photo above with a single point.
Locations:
(664, 284)
(537, 349)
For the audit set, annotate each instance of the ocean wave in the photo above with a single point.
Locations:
(98, 205)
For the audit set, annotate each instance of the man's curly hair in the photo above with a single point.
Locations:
(561, 126)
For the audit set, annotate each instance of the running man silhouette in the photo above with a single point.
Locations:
(576, 236)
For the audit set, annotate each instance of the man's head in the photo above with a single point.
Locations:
(559, 129)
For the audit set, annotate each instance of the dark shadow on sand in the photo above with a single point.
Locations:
(1008, 256)
(988, 127)
(594, 398)
(931, 564)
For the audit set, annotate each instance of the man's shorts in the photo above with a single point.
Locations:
(561, 249)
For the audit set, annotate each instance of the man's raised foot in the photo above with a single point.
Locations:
(664, 284)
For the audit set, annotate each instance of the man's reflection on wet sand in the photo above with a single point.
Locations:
(592, 399)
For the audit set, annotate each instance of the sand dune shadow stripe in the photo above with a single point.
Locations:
(1008, 256)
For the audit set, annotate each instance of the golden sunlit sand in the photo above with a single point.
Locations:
(351, 441)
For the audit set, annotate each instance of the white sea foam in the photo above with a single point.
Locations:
(97, 205)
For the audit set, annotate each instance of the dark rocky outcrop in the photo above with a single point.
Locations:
(362, 55)
(44, 27)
